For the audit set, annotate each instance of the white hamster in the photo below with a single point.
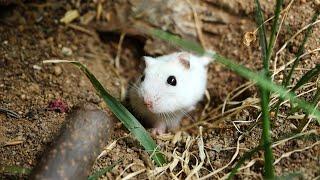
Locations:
(170, 86)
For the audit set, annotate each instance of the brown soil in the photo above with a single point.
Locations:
(31, 32)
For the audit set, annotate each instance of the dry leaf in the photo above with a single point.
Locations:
(249, 37)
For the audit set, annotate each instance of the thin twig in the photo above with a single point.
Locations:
(228, 164)
(291, 152)
(119, 49)
(82, 29)
(198, 25)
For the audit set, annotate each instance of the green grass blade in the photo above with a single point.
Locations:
(301, 49)
(96, 175)
(303, 80)
(266, 134)
(315, 100)
(190, 45)
(274, 29)
(262, 34)
(246, 73)
(311, 135)
(267, 84)
(129, 121)
(306, 77)
(265, 94)
(287, 78)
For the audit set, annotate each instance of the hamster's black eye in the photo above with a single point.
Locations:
(142, 78)
(172, 81)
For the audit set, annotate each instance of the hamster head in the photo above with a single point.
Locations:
(173, 82)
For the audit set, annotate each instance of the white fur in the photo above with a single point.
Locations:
(170, 103)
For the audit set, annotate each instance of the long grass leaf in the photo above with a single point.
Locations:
(192, 46)
(312, 135)
(315, 100)
(306, 77)
(301, 49)
(274, 29)
(303, 80)
(287, 78)
(266, 134)
(246, 73)
(265, 94)
(96, 175)
(262, 35)
(246, 156)
(129, 121)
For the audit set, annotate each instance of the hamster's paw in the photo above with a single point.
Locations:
(158, 130)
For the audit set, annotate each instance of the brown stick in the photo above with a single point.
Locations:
(80, 142)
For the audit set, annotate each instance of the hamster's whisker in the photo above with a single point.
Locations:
(162, 116)
(174, 116)
(184, 112)
(165, 116)
(134, 87)
(171, 115)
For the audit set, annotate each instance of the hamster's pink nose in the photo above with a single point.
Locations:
(149, 104)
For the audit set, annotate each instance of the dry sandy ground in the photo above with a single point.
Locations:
(31, 33)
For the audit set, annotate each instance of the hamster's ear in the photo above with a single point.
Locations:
(149, 60)
(183, 59)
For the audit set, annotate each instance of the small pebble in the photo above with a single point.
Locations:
(292, 126)
(36, 67)
(66, 51)
(82, 83)
(129, 150)
(217, 164)
(21, 28)
(23, 96)
(136, 167)
(103, 105)
(50, 39)
(57, 70)
(50, 96)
